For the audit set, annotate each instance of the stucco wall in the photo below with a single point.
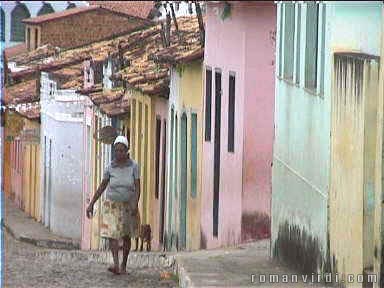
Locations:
(301, 164)
(231, 46)
(63, 197)
(185, 97)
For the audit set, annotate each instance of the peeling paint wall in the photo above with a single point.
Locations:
(354, 105)
(302, 149)
(186, 97)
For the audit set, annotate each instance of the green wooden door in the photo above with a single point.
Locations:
(183, 183)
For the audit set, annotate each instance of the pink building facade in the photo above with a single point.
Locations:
(238, 122)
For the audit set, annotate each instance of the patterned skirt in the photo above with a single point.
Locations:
(119, 220)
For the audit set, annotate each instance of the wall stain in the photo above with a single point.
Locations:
(255, 226)
(203, 240)
(298, 249)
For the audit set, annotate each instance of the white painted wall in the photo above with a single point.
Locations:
(62, 121)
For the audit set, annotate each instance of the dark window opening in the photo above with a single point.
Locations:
(289, 32)
(28, 38)
(157, 176)
(71, 5)
(298, 32)
(208, 103)
(46, 9)
(311, 45)
(19, 13)
(2, 24)
(231, 114)
(216, 165)
(36, 38)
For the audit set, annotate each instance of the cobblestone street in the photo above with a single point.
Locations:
(24, 269)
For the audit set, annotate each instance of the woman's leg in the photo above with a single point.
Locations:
(126, 249)
(114, 246)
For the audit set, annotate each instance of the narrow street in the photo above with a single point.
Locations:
(24, 269)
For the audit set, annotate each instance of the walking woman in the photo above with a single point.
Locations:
(120, 208)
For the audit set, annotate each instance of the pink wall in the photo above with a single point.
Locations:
(259, 121)
(161, 111)
(234, 44)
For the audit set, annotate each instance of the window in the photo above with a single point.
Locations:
(208, 103)
(36, 38)
(157, 176)
(71, 5)
(231, 113)
(28, 38)
(322, 48)
(280, 35)
(19, 13)
(45, 9)
(289, 30)
(193, 155)
(297, 44)
(311, 45)
(2, 24)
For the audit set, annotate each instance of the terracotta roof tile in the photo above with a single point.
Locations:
(139, 9)
(183, 50)
(30, 111)
(58, 15)
(24, 92)
(15, 50)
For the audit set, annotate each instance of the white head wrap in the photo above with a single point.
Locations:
(121, 139)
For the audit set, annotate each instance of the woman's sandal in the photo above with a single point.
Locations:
(114, 270)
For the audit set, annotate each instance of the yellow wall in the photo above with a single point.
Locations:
(142, 149)
(352, 168)
(379, 168)
(191, 100)
(31, 172)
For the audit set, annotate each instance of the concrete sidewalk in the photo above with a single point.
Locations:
(234, 267)
(25, 228)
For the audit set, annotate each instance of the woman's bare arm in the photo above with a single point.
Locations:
(103, 185)
(137, 187)
(97, 195)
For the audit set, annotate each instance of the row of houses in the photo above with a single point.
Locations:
(257, 120)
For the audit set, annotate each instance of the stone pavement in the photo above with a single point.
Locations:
(25, 228)
(229, 267)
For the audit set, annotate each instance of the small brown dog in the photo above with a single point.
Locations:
(145, 236)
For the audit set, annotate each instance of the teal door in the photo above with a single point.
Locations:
(183, 183)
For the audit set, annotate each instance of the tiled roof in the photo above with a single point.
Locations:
(107, 96)
(59, 15)
(24, 92)
(187, 49)
(25, 56)
(69, 77)
(15, 50)
(116, 108)
(152, 77)
(140, 9)
(30, 111)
